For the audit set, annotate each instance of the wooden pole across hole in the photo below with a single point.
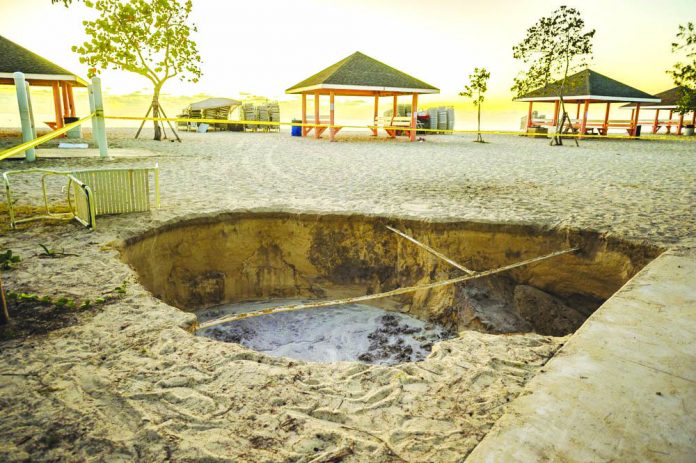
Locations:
(371, 297)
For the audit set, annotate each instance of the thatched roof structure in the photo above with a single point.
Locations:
(37, 70)
(592, 86)
(359, 72)
(668, 99)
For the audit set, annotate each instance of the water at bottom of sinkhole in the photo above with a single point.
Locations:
(353, 332)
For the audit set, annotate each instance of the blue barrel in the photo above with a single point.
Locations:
(296, 130)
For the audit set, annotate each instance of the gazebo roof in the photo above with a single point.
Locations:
(359, 72)
(37, 70)
(590, 85)
(668, 99)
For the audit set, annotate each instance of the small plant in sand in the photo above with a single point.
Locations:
(476, 90)
(151, 38)
(8, 260)
(49, 253)
(684, 73)
(553, 47)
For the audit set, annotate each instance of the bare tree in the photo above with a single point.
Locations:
(553, 47)
(476, 89)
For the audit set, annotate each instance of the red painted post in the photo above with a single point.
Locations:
(317, 132)
(680, 125)
(583, 124)
(634, 128)
(605, 126)
(657, 121)
(414, 117)
(305, 130)
(529, 115)
(556, 112)
(66, 104)
(332, 130)
(71, 100)
(669, 122)
(374, 119)
(57, 105)
(577, 113)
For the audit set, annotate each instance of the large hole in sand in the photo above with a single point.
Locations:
(236, 262)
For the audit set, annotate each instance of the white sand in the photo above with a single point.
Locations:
(129, 384)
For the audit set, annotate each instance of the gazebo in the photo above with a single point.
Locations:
(40, 72)
(668, 102)
(584, 88)
(361, 76)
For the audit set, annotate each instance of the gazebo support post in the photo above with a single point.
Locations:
(24, 114)
(657, 121)
(391, 132)
(71, 100)
(529, 116)
(57, 105)
(317, 132)
(414, 117)
(669, 122)
(332, 129)
(66, 103)
(634, 124)
(556, 111)
(583, 124)
(374, 119)
(605, 125)
(693, 118)
(304, 115)
(680, 124)
(577, 113)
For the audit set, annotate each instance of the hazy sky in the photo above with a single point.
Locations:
(264, 47)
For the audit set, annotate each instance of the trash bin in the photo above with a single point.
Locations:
(75, 132)
(296, 130)
(202, 127)
(638, 130)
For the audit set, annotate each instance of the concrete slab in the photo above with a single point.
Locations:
(624, 386)
(77, 153)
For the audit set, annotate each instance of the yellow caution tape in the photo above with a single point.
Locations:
(403, 129)
(43, 139)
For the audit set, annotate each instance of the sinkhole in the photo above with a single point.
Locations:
(231, 264)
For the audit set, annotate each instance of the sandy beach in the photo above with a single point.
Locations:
(126, 381)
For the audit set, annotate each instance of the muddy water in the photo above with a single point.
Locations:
(353, 332)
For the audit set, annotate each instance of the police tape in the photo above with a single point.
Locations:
(666, 137)
(43, 138)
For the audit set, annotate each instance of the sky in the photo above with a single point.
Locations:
(262, 48)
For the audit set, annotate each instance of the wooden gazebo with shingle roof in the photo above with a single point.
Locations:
(40, 72)
(584, 88)
(669, 100)
(359, 75)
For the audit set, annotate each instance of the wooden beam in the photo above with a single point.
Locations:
(432, 251)
(395, 106)
(371, 297)
(583, 122)
(577, 113)
(71, 100)
(317, 132)
(556, 112)
(66, 103)
(669, 123)
(57, 105)
(635, 121)
(332, 130)
(414, 117)
(656, 122)
(376, 115)
(605, 126)
(304, 114)
(529, 115)
(680, 124)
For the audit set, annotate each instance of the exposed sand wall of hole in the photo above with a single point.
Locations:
(235, 257)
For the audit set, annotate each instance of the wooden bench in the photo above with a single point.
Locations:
(393, 124)
(324, 121)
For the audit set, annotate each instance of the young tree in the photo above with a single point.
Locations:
(684, 74)
(476, 89)
(147, 37)
(553, 47)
